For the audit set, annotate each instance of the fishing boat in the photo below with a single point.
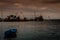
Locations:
(11, 33)
(40, 18)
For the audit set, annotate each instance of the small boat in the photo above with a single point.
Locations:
(11, 33)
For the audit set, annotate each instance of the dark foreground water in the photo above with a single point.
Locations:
(46, 30)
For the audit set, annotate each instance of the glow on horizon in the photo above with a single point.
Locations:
(29, 15)
(28, 11)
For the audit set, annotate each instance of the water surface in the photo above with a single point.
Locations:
(46, 30)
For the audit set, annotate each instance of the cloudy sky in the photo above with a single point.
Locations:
(50, 9)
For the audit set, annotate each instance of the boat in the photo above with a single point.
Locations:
(11, 33)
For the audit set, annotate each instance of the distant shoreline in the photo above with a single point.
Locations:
(30, 20)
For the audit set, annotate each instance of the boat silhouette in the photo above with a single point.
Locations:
(40, 18)
(11, 33)
(12, 18)
(15, 18)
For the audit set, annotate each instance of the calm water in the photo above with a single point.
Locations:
(45, 30)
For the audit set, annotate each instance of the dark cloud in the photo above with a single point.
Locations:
(36, 1)
(8, 1)
(51, 1)
(11, 3)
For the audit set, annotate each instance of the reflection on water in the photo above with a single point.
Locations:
(32, 30)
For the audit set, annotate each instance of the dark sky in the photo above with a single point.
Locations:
(30, 0)
(49, 7)
(5, 3)
(11, 3)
